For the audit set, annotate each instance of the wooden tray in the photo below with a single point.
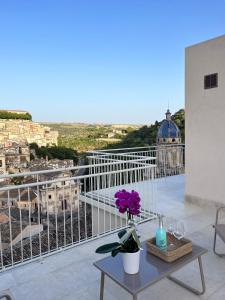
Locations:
(181, 248)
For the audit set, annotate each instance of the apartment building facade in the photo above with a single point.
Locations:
(205, 122)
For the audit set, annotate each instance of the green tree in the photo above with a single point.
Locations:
(55, 152)
(14, 115)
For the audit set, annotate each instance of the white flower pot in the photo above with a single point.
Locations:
(131, 262)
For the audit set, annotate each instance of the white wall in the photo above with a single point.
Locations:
(205, 123)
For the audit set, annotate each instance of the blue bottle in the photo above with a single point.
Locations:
(161, 238)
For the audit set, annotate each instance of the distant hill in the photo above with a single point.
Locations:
(15, 115)
(146, 135)
(84, 137)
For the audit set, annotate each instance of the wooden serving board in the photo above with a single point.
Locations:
(181, 248)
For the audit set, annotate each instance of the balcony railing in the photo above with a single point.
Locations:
(55, 209)
(169, 158)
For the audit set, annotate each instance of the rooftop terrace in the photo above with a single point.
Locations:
(70, 274)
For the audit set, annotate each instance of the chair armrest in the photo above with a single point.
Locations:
(6, 294)
(217, 213)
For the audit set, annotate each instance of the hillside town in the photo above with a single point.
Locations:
(37, 212)
(15, 137)
(20, 130)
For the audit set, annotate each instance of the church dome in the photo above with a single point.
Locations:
(168, 130)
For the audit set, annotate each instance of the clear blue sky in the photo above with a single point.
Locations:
(117, 61)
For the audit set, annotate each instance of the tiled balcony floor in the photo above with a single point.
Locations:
(71, 275)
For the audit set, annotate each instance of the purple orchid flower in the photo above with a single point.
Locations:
(128, 202)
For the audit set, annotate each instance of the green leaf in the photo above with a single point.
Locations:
(121, 233)
(126, 236)
(116, 251)
(107, 248)
(135, 236)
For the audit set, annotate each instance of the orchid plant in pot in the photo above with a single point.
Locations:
(129, 243)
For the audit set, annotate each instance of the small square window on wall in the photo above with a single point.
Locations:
(211, 81)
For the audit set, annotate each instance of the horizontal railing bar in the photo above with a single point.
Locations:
(143, 158)
(63, 169)
(103, 150)
(143, 147)
(39, 183)
(124, 153)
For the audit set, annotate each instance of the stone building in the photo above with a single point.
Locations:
(8, 198)
(52, 198)
(59, 197)
(169, 159)
(28, 132)
(14, 157)
(27, 200)
(39, 164)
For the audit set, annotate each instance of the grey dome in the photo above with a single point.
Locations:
(168, 129)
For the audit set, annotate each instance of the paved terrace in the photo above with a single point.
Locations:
(70, 274)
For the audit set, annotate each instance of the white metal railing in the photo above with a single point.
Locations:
(169, 158)
(56, 209)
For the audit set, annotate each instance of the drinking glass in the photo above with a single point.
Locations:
(170, 225)
(179, 231)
